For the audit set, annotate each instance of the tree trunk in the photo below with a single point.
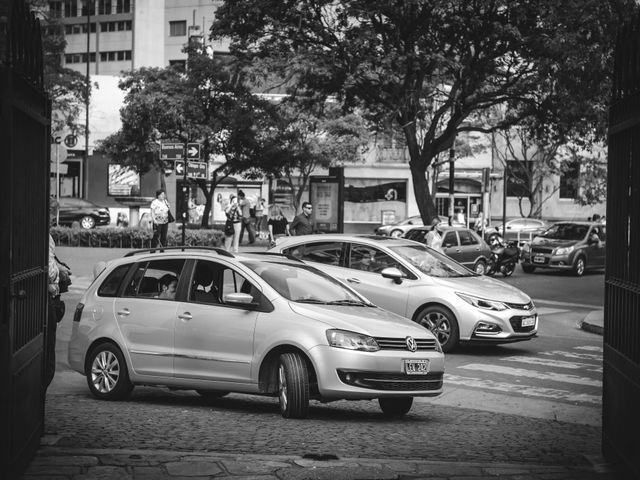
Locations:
(423, 197)
(208, 205)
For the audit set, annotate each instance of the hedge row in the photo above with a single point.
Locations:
(129, 237)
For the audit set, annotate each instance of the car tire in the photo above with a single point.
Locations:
(211, 395)
(528, 268)
(107, 373)
(579, 266)
(395, 407)
(87, 222)
(395, 233)
(508, 269)
(293, 386)
(442, 323)
(480, 267)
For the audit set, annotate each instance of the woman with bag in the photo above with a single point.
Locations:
(232, 226)
(160, 217)
(277, 223)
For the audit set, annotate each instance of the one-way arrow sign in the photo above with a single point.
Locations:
(179, 168)
(193, 151)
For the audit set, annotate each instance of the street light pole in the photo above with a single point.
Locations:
(89, 4)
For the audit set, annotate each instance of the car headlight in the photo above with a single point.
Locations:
(352, 341)
(482, 303)
(564, 250)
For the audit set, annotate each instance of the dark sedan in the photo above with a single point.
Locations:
(86, 213)
(461, 244)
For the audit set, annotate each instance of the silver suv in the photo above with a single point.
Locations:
(208, 320)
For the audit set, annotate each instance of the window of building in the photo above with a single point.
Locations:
(569, 181)
(55, 9)
(104, 7)
(103, 56)
(518, 178)
(127, 55)
(70, 8)
(112, 56)
(123, 6)
(178, 28)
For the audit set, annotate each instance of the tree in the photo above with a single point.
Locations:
(205, 103)
(67, 88)
(435, 67)
(318, 138)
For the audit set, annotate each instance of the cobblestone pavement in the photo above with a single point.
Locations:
(162, 434)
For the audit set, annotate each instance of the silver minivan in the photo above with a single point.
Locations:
(216, 322)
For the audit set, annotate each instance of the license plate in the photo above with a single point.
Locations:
(538, 259)
(528, 321)
(416, 367)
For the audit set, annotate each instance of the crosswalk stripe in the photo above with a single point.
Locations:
(579, 356)
(554, 393)
(522, 372)
(555, 363)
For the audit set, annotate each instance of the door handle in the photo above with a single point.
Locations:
(353, 280)
(185, 316)
(124, 312)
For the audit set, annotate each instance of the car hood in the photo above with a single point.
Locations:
(373, 321)
(485, 287)
(552, 242)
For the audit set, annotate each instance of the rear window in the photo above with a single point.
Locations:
(111, 284)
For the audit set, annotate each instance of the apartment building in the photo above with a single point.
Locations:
(120, 35)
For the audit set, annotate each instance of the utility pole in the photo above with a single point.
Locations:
(452, 174)
(89, 4)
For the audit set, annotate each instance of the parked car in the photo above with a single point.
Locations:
(521, 229)
(573, 246)
(398, 229)
(462, 244)
(249, 323)
(421, 284)
(86, 213)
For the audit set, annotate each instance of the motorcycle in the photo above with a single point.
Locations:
(504, 256)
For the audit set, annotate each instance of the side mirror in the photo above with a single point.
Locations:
(393, 273)
(238, 299)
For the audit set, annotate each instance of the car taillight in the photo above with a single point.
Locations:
(78, 312)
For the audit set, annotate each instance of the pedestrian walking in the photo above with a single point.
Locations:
(233, 225)
(302, 224)
(481, 223)
(434, 240)
(261, 218)
(160, 217)
(247, 223)
(278, 224)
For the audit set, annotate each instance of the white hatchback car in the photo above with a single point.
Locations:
(208, 320)
(419, 283)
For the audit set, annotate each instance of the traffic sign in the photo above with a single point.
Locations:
(194, 169)
(70, 141)
(193, 151)
(171, 151)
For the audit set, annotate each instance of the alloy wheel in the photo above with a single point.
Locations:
(282, 388)
(439, 325)
(105, 372)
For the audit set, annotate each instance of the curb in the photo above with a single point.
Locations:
(594, 322)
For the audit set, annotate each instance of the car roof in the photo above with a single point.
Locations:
(344, 237)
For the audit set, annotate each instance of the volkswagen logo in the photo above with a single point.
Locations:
(411, 344)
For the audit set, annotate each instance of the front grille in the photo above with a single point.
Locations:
(516, 323)
(520, 306)
(387, 343)
(542, 249)
(392, 381)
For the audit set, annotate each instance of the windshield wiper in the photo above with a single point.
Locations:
(310, 300)
(348, 302)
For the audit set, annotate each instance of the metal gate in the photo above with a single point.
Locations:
(621, 379)
(24, 192)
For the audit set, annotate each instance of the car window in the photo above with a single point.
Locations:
(467, 238)
(517, 223)
(111, 284)
(235, 282)
(450, 240)
(417, 235)
(305, 284)
(600, 232)
(327, 253)
(566, 231)
(368, 258)
(205, 283)
(155, 279)
(431, 262)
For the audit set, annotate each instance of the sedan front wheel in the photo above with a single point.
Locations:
(442, 323)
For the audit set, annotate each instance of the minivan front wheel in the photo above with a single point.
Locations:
(293, 386)
(442, 323)
(107, 373)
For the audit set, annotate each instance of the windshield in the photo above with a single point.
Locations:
(432, 262)
(306, 284)
(566, 231)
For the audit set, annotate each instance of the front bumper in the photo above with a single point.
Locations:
(547, 260)
(514, 324)
(356, 375)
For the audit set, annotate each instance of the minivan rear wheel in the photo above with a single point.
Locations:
(442, 323)
(293, 386)
(107, 374)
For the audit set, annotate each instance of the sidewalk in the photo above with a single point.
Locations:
(594, 322)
